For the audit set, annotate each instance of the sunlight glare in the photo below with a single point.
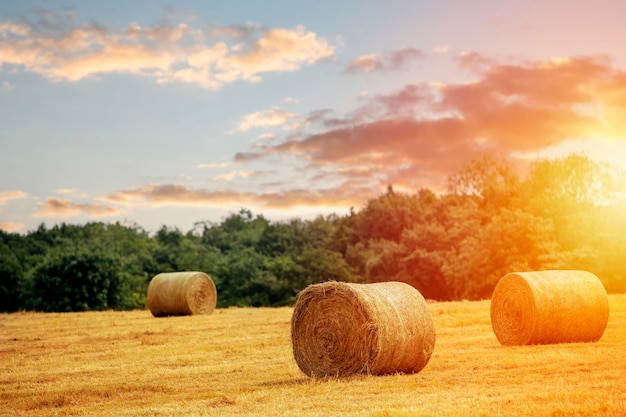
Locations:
(612, 151)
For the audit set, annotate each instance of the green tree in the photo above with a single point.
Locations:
(281, 238)
(384, 263)
(77, 279)
(491, 179)
(242, 279)
(388, 215)
(11, 273)
(572, 191)
(236, 230)
(511, 241)
(321, 264)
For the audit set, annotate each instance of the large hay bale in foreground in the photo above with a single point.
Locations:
(181, 293)
(549, 307)
(339, 329)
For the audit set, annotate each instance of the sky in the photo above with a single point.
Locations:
(170, 114)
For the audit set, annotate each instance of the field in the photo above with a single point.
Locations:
(238, 362)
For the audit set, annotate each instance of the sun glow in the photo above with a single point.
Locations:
(612, 151)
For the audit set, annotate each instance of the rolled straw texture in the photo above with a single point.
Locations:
(181, 293)
(340, 329)
(545, 307)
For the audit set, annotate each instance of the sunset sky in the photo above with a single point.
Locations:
(170, 113)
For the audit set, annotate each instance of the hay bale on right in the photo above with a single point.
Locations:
(181, 294)
(339, 329)
(543, 307)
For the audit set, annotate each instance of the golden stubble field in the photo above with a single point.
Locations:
(238, 362)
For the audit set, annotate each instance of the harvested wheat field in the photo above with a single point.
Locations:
(239, 362)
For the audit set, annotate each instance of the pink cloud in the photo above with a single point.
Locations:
(424, 132)
(392, 61)
(10, 227)
(56, 207)
(417, 136)
(179, 195)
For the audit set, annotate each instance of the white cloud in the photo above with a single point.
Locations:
(366, 63)
(65, 191)
(266, 118)
(213, 165)
(167, 53)
(391, 61)
(232, 175)
(70, 191)
(266, 137)
(224, 177)
(5, 196)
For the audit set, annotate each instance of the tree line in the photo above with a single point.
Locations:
(567, 213)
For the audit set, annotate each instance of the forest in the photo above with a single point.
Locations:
(562, 213)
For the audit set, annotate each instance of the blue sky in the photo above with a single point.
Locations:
(158, 114)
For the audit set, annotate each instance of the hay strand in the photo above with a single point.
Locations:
(339, 329)
(181, 293)
(545, 307)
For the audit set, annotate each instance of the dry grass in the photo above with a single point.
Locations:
(181, 294)
(341, 329)
(239, 362)
(544, 307)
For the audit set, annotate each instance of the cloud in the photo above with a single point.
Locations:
(366, 63)
(229, 176)
(399, 59)
(474, 61)
(410, 101)
(168, 52)
(56, 207)
(419, 134)
(12, 227)
(526, 107)
(266, 137)
(71, 192)
(266, 118)
(393, 61)
(277, 50)
(6, 196)
(213, 165)
(179, 195)
(65, 191)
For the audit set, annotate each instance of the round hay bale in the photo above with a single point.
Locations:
(339, 329)
(181, 293)
(545, 307)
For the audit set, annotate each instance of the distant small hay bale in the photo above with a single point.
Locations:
(181, 293)
(545, 307)
(340, 329)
